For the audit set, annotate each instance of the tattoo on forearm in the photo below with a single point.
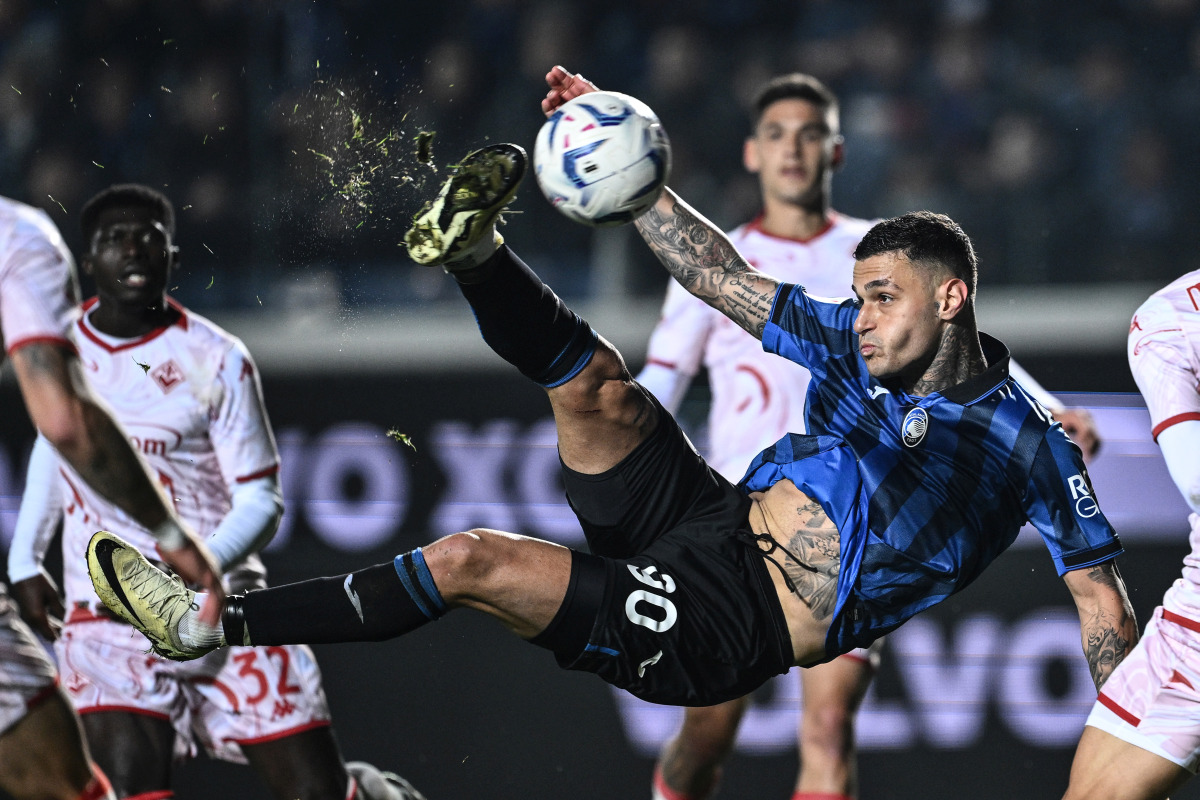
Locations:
(1108, 635)
(708, 266)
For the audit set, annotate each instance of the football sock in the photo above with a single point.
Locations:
(525, 322)
(98, 788)
(664, 792)
(369, 605)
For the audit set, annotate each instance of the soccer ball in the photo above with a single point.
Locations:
(602, 158)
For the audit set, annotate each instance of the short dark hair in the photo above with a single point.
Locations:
(794, 86)
(924, 238)
(123, 195)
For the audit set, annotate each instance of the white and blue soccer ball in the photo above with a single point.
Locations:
(602, 158)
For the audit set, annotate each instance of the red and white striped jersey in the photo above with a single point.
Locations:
(757, 397)
(188, 395)
(37, 287)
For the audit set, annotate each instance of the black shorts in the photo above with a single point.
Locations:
(673, 606)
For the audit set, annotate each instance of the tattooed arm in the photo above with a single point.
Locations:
(65, 411)
(1106, 621)
(702, 259)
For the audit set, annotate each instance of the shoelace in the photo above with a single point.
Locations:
(158, 596)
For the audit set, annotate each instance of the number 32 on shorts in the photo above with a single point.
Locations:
(661, 581)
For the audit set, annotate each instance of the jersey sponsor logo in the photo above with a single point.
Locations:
(916, 423)
(150, 447)
(1081, 493)
(167, 375)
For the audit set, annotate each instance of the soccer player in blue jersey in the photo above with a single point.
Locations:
(923, 461)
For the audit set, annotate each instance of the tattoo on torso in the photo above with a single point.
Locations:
(809, 549)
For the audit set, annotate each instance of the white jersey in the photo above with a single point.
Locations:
(1164, 356)
(757, 396)
(189, 397)
(37, 285)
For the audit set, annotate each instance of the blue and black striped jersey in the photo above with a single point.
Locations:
(925, 491)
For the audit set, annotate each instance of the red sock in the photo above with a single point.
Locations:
(664, 792)
(98, 787)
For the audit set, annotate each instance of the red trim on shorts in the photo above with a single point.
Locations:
(42, 696)
(351, 788)
(661, 787)
(270, 737)
(1180, 620)
(262, 473)
(161, 794)
(141, 712)
(1112, 706)
(1175, 420)
(65, 344)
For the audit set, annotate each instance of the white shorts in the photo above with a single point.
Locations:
(26, 671)
(1151, 700)
(230, 697)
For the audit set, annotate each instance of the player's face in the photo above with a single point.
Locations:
(130, 257)
(794, 150)
(899, 325)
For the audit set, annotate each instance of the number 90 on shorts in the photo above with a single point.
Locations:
(641, 600)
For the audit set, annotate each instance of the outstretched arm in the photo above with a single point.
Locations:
(64, 410)
(702, 259)
(695, 252)
(1106, 620)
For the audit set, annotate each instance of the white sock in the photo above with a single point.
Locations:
(479, 253)
(196, 634)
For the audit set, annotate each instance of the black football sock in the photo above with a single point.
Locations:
(369, 605)
(525, 322)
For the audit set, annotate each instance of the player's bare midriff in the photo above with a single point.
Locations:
(808, 548)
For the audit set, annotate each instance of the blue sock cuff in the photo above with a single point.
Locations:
(418, 582)
(573, 358)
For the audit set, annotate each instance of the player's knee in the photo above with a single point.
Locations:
(465, 564)
(827, 728)
(708, 733)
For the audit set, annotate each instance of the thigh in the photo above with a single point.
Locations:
(306, 764)
(662, 484)
(601, 415)
(26, 672)
(260, 694)
(50, 730)
(1109, 768)
(134, 750)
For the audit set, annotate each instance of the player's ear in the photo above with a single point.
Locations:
(839, 152)
(750, 159)
(952, 298)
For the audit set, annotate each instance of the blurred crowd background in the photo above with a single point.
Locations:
(1060, 134)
